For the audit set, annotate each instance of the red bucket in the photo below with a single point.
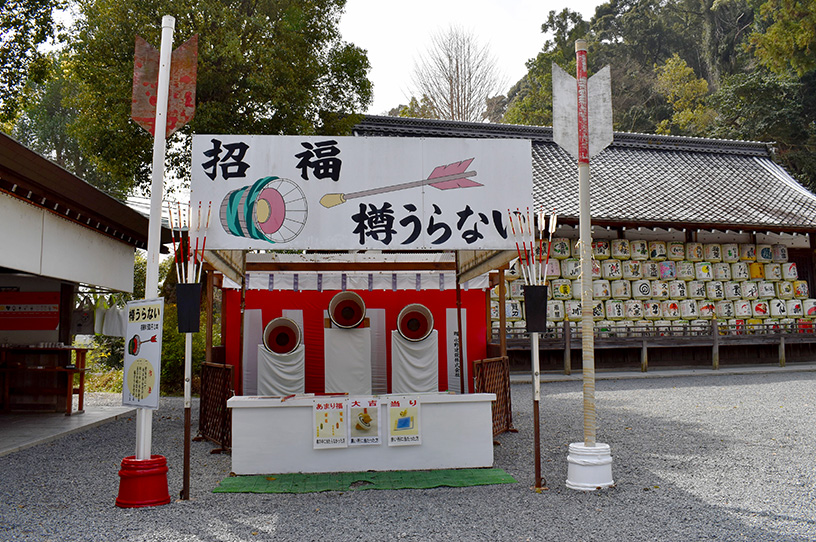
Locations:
(143, 482)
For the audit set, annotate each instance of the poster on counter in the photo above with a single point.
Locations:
(403, 421)
(329, 415)
(143, 346)
(364, 421)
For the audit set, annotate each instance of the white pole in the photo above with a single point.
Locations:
(144, 416)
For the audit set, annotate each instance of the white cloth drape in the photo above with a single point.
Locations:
(414, 364)
(347, 355)
(281, 374)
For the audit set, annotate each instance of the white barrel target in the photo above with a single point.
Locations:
(347, 310)
(282, 336)
(415, 322)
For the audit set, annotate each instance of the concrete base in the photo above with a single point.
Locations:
(590, 468)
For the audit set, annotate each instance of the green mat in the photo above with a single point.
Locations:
(349, 481)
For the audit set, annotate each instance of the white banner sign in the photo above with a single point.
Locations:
(143, 346)
(349, 193)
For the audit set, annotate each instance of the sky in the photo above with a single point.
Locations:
(397, 32)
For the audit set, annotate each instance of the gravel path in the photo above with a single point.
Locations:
(721, 458)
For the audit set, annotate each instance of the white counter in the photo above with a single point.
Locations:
(271, 435)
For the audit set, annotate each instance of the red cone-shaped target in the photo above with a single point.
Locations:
(347, 310)
(281, 336)
(415, 322)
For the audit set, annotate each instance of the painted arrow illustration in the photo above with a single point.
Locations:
(442, 177)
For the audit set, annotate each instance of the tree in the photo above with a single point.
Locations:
(24, 26)
(686, 94)
(263, 68)
(457, 75)
(423, 109)
(789, 39)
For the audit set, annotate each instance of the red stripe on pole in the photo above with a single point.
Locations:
(583, 106)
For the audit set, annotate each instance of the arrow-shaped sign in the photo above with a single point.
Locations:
(442, 177)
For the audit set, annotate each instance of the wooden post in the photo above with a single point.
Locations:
(502, 314)
(715, 349)
(782, 351)
(567, 348)
(644, 357)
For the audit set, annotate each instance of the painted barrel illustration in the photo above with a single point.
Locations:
(601, 289)
(780, 253)
(715, 290)
(767, 290)
(794, 307)
(639, 249)
(694, 252)
(730, 252)
(725, 309)
(773, 271)
(614, 309)
(685, 270)
(779, 308)
(739, 271)
(668, 270)
(572, 310)
(689, 310)
(764, 253)
(621, 249)
(747, 252)
(621, 289)
(562, 289)
(601, 250)
(756, 271)
(631, 269)
(650, 270)
(677, 289)
(696, 289)
(633, 309)
(713, 252)
(598, 312)
(555, 311)
(703, 271)
(571, 268)
(789, 271)
(675, 251)
(732, 290)
(800, 289)
(657, 250)
(670, 309)
(742, 308)
(809, 307)
(722, 271)
(553, 269)
(611, 269)
(750, 289)
(784, 289)
(560, 249)
(760, 308)
(652, 310)
(272, 209)
(641, 289)
(660, 289)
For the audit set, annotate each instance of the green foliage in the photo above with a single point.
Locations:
(788, 40)
(263, 68)
(418, 110)
(686, 94)
(173, 349)
(24, 26)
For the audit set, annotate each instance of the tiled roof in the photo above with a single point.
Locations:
(646, 179)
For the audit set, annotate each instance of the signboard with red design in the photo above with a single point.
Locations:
(29, 311)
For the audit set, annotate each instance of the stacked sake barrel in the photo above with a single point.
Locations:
(671, 285)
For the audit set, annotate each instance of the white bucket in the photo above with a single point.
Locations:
(739, 271)
(696, 289)
(601, 250)
(764, 253)
(670, 310)
(779, 308)
(572, 310)
(657, 250)
(766, 290)
(598, 312)
(571, 268)
(631, 269)
(809, 307)
(685, 270)
(730, 252)
(747, 252)
(633, 309)
(760, 308)
(660, 289)
(784, 289)
(694, 252)
(561, 289)
(589, 467)
(715, 290)
(722, 271)
(706, 309)
(780, 253)
(621, 289)
(668, 270)
(750, 290)
(560, 249)
(555, 310)
(795, 308)
(611, 269)
(652, 310)
(677, 289)
(789, 271)
(621, 249)
(641, 289)
(614, 309)
(639, 249)
(800, 289)
(577, 285)
(650, 270)
(601, 289)
(732, 290)
(725, 309)
(703, 271)
(742, 308)
(675, 251)
(713, 252)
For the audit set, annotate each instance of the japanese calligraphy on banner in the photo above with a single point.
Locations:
(403, 421)
(330, 428)
(143, 345)
(364, 421)
(347, 193)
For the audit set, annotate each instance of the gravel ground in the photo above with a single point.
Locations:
(695, 458)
